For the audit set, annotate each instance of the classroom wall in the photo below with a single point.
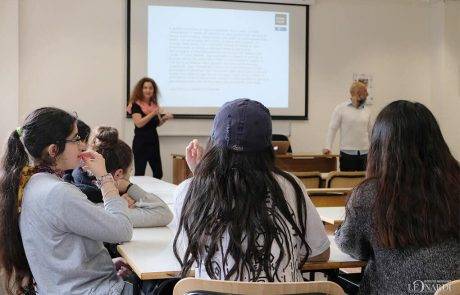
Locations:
(72, 55)
(389, 39)
(9, 67)
(447, 105)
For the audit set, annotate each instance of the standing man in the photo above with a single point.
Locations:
(353, 118)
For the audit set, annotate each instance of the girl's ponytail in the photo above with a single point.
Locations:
(18, 277)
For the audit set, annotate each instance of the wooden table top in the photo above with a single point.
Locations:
(150, 255)
(332, 215)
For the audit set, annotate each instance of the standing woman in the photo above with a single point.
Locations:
(147, 116)
(404, 218)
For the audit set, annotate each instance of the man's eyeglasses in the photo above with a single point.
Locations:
(77, 138)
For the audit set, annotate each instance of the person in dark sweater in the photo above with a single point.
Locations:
(77, 176)
(147, 116)
(403, 219)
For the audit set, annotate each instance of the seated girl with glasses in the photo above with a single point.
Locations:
(52, 236)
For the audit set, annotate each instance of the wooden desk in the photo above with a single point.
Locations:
(180, 169)
(332, 215)
(303, 162)
(150, 255)
(337, 260)
(329, 197)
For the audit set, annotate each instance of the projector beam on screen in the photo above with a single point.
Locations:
(204, 53)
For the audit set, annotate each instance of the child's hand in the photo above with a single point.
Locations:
(131, 201)
(94, 163)
(193, 154)
(122, 268)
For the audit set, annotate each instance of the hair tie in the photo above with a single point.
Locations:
(19, 131)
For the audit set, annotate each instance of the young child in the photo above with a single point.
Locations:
(240, 217)
(145, 209)
(403, 219)
(51, 234)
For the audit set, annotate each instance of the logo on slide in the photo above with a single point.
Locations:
(280, 19)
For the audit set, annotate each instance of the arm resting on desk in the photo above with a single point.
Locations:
(353, 236)
(321, 257)
(149, 209)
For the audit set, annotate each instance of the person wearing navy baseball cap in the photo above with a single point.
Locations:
(240, 217)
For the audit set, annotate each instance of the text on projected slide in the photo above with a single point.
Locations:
(203, 57)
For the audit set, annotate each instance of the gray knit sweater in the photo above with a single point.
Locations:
(62, 233)
(393, 271)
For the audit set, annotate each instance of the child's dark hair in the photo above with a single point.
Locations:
(84, 130)
(117, 154)
(42, 127)
(238, 193)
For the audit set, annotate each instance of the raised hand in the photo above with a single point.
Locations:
(193, 154)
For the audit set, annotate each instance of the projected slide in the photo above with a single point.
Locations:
(202, 57)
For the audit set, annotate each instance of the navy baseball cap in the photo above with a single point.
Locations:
(243, 125)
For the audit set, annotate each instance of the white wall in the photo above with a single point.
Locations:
(389, 39)
(9, 67)
(447, 106)
(72, 55)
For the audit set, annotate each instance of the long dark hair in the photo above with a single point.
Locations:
(117, 154)
(43, 127)
(237, 193)
(418, 179)
(137, 93)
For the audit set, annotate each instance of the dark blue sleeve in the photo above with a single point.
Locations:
(81, 177)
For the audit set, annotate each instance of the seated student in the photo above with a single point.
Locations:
(404, 217)
(246, 219)
(51, 234)
(145, 209)
(93, 193)
(83, 131)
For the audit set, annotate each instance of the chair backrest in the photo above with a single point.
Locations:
(451, 288)
(282, 137)
(280, 147)
(200, 286)
(340, 179)
(309, 179)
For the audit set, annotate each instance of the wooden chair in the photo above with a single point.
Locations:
(340, 179)
(282, 137)
(199, 286)
(451, 288)
(309, 179)
(329, 197)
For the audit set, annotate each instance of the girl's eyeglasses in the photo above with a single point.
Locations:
(77, 138)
